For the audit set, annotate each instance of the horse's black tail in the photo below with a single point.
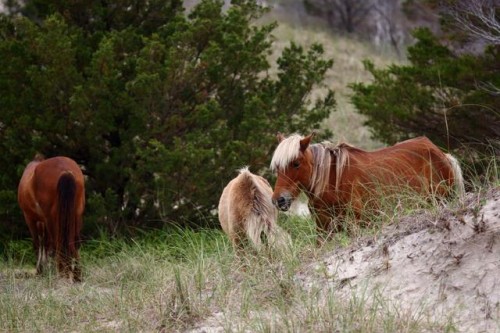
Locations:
(66, 190)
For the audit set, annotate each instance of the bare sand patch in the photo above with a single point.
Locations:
(446, 265)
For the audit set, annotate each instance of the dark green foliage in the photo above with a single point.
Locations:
(446, 96)
(159, 107)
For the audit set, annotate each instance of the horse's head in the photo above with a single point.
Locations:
(293, 162)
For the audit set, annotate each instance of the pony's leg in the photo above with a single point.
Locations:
(40, 262)
(75, 269)
(63, 265)
(42, 256)
(75, 262)
(44, 244)
(37, 239)
(357, 210)
(238, 245)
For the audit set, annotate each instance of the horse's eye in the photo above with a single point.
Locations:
(296, 164)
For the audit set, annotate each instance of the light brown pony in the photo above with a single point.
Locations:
(246, 211)
(51, 195)
(340, 177)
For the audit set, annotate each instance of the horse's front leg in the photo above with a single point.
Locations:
(328, 223)
(324, 228)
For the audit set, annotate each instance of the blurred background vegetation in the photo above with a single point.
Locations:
(161, 101)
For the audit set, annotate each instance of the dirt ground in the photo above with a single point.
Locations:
(446, 264)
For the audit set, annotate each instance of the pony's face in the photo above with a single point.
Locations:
(293, 175)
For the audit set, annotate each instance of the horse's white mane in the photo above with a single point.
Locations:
(289, 149)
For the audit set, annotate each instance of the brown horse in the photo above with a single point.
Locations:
(340, 177)
(246, 211)
(51, 195)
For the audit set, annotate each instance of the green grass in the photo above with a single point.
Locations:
(177, 279)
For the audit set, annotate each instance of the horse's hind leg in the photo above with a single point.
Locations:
(41, 257)
(74, 267)
(77, 271)
(37, 234)
(63, 265)
(42, 247)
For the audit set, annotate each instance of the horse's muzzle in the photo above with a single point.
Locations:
(283, 203)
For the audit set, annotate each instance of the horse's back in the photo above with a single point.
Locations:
(424, 157)
(37, 190)
(236, 202)
(416, 162)
(409, 147)
(51, 169)
(243, 197)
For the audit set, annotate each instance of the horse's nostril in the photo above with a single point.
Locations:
(281, 201)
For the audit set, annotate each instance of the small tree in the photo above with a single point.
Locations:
(477, 18)
(439, 94)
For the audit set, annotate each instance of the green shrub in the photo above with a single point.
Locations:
(442, 94)
(159, 107)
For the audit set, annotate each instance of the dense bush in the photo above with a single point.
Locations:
(451, 97)
(160, 107)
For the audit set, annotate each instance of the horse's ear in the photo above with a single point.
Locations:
(304, 143)
(280, 137)
(38, 157)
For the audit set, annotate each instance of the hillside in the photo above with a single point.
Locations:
(431, 271)
(347, 53)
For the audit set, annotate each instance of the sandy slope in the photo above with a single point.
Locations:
(445, 265)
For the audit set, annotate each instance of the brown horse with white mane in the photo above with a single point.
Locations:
(340, 177)
(51, 195)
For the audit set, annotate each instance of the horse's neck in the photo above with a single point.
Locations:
(322, 168)
(330, 162)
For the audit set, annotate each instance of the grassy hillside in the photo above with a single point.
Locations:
(173, 281)
(191, 281)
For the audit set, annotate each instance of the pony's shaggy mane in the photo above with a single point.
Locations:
(262, 205)
(289, 149)
(246, 211)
